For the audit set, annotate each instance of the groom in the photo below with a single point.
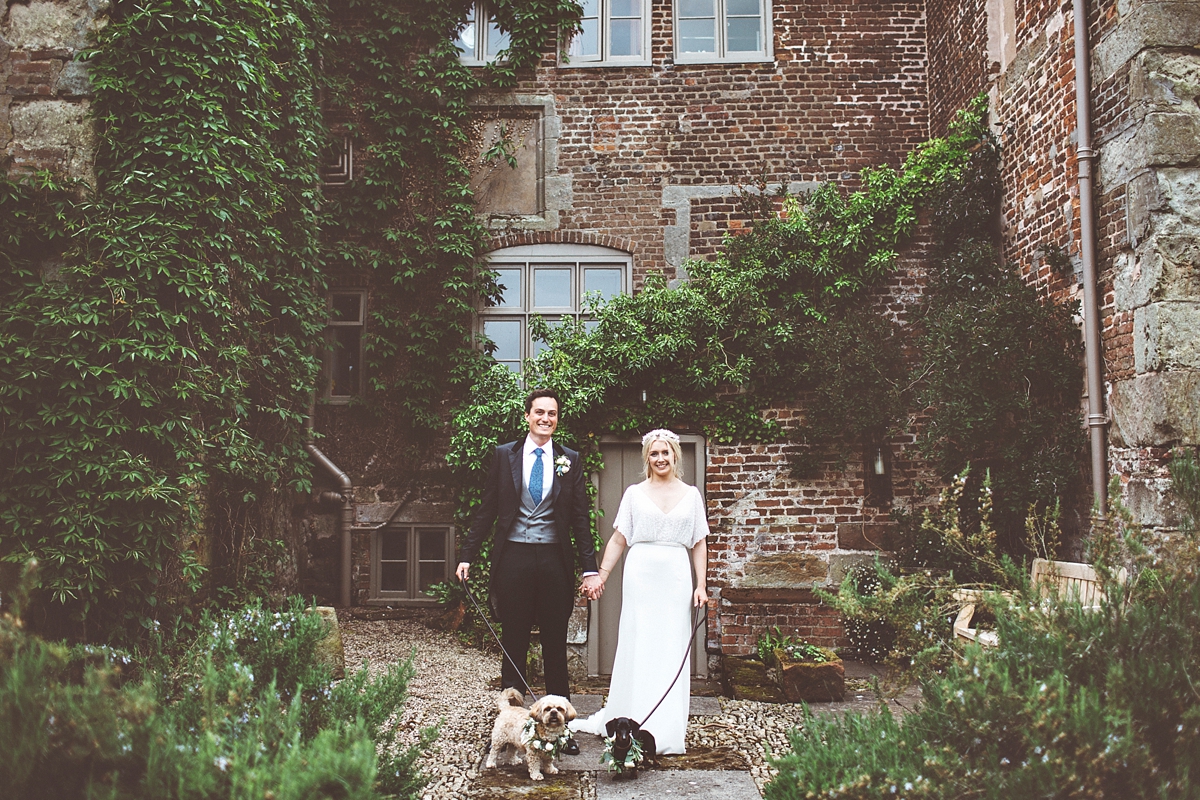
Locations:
(536, 501)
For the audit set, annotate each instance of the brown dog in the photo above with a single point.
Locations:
(538, 731)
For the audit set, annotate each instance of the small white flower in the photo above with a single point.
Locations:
(221, 763)
(562, 465)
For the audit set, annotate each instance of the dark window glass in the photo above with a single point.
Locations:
(347, 358)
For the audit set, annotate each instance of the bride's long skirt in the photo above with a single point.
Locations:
(656, 600)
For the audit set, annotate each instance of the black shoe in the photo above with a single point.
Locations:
(571, 748)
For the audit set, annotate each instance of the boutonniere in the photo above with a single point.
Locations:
(562, 465)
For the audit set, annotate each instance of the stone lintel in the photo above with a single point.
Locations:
(801, 596)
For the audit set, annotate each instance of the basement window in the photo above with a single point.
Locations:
(406, 560)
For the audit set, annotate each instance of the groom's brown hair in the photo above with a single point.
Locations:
(536, 393)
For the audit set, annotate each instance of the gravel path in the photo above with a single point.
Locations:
(450, 689)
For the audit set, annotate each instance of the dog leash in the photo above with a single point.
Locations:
(678, 672)
(483, 617)
(528, 688)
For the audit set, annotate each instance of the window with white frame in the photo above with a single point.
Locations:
(708, 31)
(344, 337)
(406, 560)
(549, 281)
(481, 39)
(613, 32)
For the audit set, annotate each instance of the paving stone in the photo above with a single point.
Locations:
(588, 704)
(693, 785)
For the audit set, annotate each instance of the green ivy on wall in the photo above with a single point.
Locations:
(154, 386)
(161, 330)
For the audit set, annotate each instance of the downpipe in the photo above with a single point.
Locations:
(344, 496)
(1085, 157)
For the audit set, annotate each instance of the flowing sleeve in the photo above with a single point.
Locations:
(699, 518)
(624, 519)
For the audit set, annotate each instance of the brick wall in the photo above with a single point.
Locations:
(959, 67)
(639, 146)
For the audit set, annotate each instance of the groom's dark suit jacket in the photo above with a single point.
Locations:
(502, 498)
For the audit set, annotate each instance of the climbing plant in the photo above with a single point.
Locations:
(155, 380)
(161, 329)
(765, 320)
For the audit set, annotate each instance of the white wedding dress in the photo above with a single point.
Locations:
(656, 617)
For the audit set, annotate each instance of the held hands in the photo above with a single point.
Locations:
(463, 571)
(592, 587)
(700, 597)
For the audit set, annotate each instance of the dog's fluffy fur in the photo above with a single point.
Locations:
(551, 715)
(623, 731)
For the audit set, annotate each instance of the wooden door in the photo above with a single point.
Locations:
(623, 467)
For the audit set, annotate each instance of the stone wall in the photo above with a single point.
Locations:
(44, 90)
(1145, 75)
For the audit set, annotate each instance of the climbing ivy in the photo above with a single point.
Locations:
(154, 384)
(161, 329)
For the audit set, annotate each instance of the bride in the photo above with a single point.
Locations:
(659, 520)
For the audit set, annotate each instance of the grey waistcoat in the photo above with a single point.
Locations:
(534, 525)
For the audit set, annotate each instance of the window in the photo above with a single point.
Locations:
(613, 32)
(722, 30)
(344, 335)
(406, 560)
(547, 281)
(478, 43)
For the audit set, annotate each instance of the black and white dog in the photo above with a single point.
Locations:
(623, 731)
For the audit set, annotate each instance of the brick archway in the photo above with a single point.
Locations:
(562, 237)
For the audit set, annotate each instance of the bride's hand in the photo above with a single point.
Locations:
(700, 598)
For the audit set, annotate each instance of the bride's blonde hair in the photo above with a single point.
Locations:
(672, 440)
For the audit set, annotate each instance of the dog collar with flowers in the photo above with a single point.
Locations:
(562, 465)
(530, 738)
(632, 758)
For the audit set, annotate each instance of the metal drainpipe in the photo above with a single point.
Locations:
(1097, 419)
(347, 487)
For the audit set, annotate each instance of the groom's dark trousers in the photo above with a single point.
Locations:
(533, 583)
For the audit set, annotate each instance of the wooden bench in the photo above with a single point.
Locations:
(1061, 579)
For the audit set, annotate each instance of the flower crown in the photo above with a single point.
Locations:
(660, 433)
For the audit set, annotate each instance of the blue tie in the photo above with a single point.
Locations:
(535, 477)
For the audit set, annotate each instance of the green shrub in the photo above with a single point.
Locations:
(242, 712)
(1072, 702)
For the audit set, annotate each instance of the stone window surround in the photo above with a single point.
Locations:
(554, 190)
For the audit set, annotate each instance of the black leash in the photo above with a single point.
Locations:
(682, 664)
(528, 688)
(483, 617)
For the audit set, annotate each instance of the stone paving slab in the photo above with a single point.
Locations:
(692, 784)
(588, 704)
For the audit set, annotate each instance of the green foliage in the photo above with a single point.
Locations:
(1071, 703)
(776, 312)
(775, 641)
(1000, 367)
(154, 383)
(242, 712)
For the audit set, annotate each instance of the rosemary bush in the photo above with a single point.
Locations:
(240, 711)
